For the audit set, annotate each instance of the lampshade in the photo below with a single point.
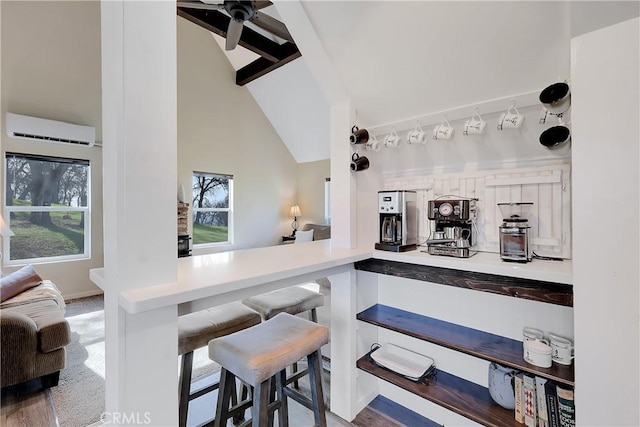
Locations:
(5, 231)
(295, 211)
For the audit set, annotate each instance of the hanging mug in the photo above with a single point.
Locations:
(359, 163)
(392, 139)
(416, 136)
(358, 136)
(443, 131)
(555, 136)
(475, 125)
(512, 119)
(373, 144)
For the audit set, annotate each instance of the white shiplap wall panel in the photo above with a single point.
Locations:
(548, 187)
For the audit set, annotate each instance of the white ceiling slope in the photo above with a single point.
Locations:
(404, 59)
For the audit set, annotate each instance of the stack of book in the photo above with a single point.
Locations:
(541, 402)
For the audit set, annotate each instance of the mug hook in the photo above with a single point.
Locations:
(355, 156)
(512, 106)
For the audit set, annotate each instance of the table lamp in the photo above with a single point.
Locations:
(295, 213)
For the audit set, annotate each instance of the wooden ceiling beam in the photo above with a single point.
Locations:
(262, 66)
(218, 22)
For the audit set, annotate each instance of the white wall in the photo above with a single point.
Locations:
(311, 179)
(221, 129)
(51, 69)
(606, 161)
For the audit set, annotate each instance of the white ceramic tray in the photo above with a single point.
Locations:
(405, 362)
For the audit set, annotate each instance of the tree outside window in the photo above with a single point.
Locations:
(212, 208)
(47, 207)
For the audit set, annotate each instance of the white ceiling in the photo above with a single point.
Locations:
(405, 59)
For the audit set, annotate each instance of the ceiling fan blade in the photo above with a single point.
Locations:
(260, 4)
(233, 34)
(198, 5)
(271, 25)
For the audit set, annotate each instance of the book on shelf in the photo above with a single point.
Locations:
(566, 407)
(518, 391)
(543, 417)
(529, 401)
(552, 403)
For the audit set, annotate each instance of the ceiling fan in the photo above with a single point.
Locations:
(241, 12)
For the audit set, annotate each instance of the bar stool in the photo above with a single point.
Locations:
(195, 330)
(292, 300)
(259, 355)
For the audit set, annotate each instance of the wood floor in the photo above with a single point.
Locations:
(35, 408)
(27, 406)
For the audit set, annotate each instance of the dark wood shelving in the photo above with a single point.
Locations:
(484, 345)
(536, 290)
(456, 394)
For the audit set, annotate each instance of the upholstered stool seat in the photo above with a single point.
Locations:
(292, 300)
(195, 330)
(261, 352)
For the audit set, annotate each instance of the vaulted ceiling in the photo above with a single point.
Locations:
(403, 59)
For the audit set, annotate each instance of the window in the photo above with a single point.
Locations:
(327, 201)
(212, 208)
(47, 207)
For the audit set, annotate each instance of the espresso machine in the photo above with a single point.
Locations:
(398, 221)
(455, 231)
(515, 242)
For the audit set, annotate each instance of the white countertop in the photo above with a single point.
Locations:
(204, 276)
(485, 262)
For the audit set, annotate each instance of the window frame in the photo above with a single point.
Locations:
(85, 210)
(228, 210)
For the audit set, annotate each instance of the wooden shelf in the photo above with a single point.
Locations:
(535, 290)
(456, 394)
(494, 348)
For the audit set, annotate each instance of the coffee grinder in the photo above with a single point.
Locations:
(398, 221)
(515, 242)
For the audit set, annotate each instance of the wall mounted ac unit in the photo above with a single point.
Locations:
(36, 129)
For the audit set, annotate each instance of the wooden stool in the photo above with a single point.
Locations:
(292, 300)
(195, 330)
(260, 354)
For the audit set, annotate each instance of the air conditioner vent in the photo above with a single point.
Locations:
(36, 129)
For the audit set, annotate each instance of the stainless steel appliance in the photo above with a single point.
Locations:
(455, 232)
(398, 221)
(515, 242)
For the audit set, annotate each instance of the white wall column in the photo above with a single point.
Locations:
(140, 247)
(605, 152)
(343, 345)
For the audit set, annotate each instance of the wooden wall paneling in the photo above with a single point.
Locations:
(556, 219)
